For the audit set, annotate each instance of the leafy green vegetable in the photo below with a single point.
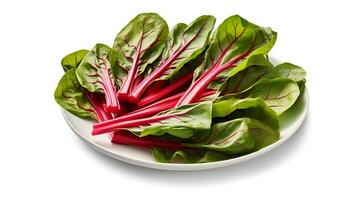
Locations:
(291, 71)
(186, 95)
(184, 44)
(238, 136)
(72, 60)
(70, 95)
(254, 108)
(94, 73)
(139, 43)
(226, 140)
(235, 40)
(181, 122)
(279, 93)
(257, 68)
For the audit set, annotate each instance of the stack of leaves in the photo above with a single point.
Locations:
(186, 94)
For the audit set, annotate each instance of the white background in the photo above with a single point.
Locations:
(40, 158)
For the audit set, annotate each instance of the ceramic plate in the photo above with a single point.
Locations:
(290, 122)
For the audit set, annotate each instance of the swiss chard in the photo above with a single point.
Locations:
(181, 122)
(183, 94)
(184, 44)
(279, 93)
(139, 43)
(254, 108)
(234, 41)
(75, 99)
(238, 136)
(291, 71)
(95, 74)
(258, 69)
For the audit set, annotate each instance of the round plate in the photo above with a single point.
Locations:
(290, 122)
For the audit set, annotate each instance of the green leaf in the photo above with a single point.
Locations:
(72, 60)
(235, 41)
(70, 96)
(249, 107)
(185, 43)
(291, 71)
(94, 73)
(138, 44)
(233, 38)
(279, 93)
(181, 122)
(239, 136)
(257, 69)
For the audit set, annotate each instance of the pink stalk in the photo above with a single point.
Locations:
(167, 64)
(149, 142)
(111, 102)
(129, 124)
(98, 109)
(173, 87)
(148, 111)
(196, 89)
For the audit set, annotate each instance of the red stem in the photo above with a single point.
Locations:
(98, 107)
(149, 142)
(201, 84)
(147, 112)
(166, 91)
(139, 91)
(129, 124)
(111, 102)
(127, 86)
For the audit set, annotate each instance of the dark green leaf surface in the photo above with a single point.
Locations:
(258, 69)
(279, 93)
(291, 71)
(254, 108)
(238, 136)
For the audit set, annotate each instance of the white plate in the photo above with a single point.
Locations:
(289, 121)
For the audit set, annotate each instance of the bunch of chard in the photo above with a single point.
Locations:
(193, 92)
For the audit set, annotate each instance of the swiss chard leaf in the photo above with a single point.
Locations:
(279, 93)
(184, 44)
(258, 69)
(181, 122)
(291, 71)
(69, 94)
(235, 40)
(254, 108)
(139, 43)
(226, 140)
(238, 136)
(73, 60)
(94, 73)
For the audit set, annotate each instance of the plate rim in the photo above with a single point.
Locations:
(193, 166)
